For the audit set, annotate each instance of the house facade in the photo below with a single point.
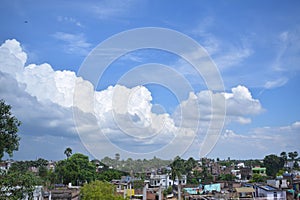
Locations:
(259, 170)
(269, 192)
(165, 180)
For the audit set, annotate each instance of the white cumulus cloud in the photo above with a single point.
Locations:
(114, 119)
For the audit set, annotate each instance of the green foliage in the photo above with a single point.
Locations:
(134, 165)
(43, 171)
(138, 184)
(225, 163)
(23, 166)
(190, 164)
(180, 166)
(68, 152)
(207, 179)
(205, 176)
(227, 177)
(283, 155)
(273, 164)
(257, 178)
(20, 166)
(9, 140)
(98, 190)
(296, 165)
(193, 181)
(51, 177)
(40, 162)
(293, 155)
(194, 177)
(280, 172)
(252, 162)
(77, 169)
(16, 185)
(167, 191)
(177, 166)
(109, 174)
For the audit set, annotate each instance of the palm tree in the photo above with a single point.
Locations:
(68, 152)
(293, 155)
(176, 167)
(283, 155)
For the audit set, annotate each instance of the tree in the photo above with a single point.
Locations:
(227, 177)
(293, 155)
(167, 191)
(68, 152)
(273, 164)
(190, 164)
(296, 165)
(283, 155)
(19, 166)
(9, 140)
(257, 178)
(43, 172)
(176, 168)
(22, 166)
(99, 190)
(17, 185)
(77, 169)
(110, 174)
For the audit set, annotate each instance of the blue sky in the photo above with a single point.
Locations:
(254, 44)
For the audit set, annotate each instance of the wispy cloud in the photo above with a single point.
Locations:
(109, 9)
(276, 83)
(287, 57)
(71, 20)
(225, 54)
(233, 57)
(74, 43)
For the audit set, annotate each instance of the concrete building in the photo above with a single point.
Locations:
(259, 170)
(282, 184)
(236, 173)
(165, 180)
(269, 192)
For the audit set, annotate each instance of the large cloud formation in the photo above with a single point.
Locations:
(120, 118)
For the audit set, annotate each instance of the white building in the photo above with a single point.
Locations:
(278, 183)
(165, 180)
(5, 165)
(237, 173)
(241, 165)
(37, 193)
(269, 192)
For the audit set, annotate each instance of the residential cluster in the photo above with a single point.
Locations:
(236, 181)
(181, 179)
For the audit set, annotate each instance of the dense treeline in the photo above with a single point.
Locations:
(76, 169)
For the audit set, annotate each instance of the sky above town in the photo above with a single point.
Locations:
(152, 78)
